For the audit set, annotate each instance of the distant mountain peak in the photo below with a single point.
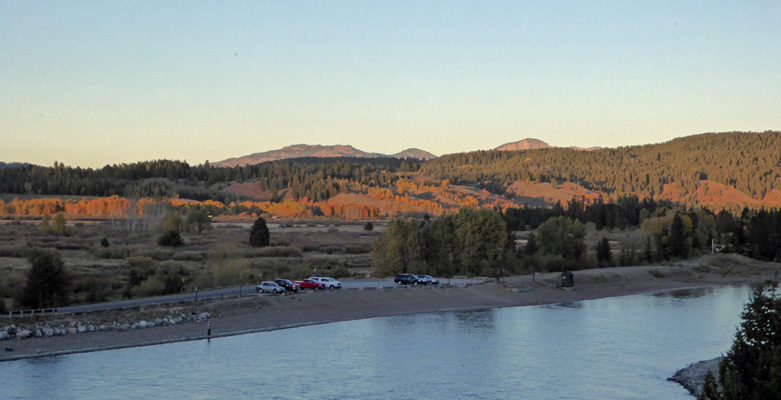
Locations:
(525, 144)
(532, 144)
(317, 150)
(414, 153)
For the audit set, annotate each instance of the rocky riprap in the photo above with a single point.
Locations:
(692, 378)
(76, 326)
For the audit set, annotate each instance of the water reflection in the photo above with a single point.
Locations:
(685, 293)
(569, 304)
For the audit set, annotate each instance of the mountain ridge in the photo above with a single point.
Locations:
(318, 151)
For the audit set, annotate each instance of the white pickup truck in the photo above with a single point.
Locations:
(328, 283)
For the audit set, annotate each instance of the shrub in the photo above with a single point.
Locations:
(12, 285)
(357, 248)
(104, 242)
(656, 273)
(92, 289)
(369, 226)
(280, 251)
(114, 253)
(173, 275)
(68, 246)
(147, 278)
(157, 254)
(149, 287)
(340, 272)
(309, 247)
(170, 239)
(13, 251)
(555, 263)
(226, 272)
(330, 249)
(189, 256)
(140, 262)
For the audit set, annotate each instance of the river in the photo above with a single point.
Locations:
(615, 348)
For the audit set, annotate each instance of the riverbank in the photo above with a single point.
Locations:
(265, 313)
(692, 378)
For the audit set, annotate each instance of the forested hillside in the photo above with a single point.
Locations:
(314, 178)
(720, 171)
(749, 162)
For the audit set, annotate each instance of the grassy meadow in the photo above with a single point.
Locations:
(108, 262)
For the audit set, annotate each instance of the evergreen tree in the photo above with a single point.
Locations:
(170, 239)
(752, 367)
(259, 235)
(604, 255)
(677, 239)
(48, 282)
(531, 246)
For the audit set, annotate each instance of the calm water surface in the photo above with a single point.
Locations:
(618, 348)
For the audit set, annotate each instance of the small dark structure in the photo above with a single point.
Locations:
(567, 279)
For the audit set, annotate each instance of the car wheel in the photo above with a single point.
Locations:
(261, 291)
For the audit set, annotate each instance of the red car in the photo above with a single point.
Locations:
(310, 284)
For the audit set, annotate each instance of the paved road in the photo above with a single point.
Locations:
(246, 290)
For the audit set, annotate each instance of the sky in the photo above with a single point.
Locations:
(91, 83)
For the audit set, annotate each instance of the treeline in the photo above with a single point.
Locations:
(747, 161)
(472, 242)
(482, 242)
(314, 178)
(134, 210)
(664, 230)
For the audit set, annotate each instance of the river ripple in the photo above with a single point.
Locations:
(617, 348)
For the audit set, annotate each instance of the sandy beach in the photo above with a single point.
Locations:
(256, 314)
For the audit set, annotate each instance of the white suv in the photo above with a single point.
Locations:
(328, 283)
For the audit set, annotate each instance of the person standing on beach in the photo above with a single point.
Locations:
(209, 331)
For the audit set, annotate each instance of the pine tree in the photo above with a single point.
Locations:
(259, 235)
(604, 255)
(48, 282)
(531, 246)
(752, 367)
(677, 240)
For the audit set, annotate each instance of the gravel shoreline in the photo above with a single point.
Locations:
(256, 314)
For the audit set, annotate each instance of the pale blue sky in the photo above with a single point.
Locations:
(90, 83)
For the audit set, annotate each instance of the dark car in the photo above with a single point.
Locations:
(406, 279)
(288, 285)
